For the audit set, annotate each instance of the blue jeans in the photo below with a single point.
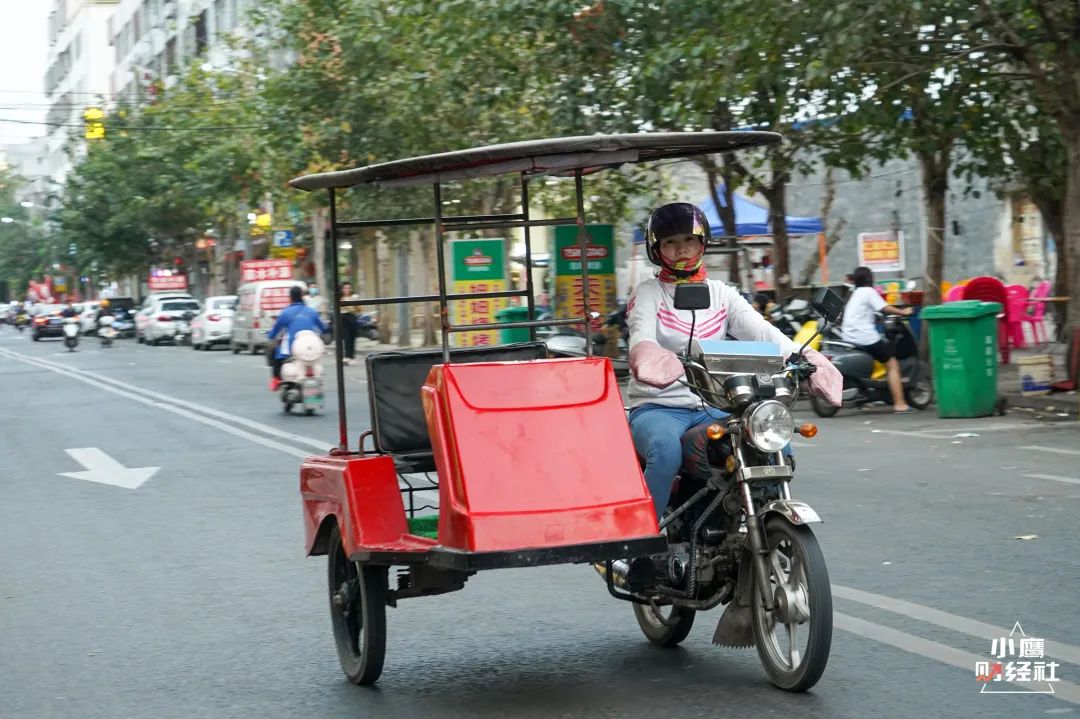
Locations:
(657, 433)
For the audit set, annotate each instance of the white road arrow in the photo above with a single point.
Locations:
(103, 469)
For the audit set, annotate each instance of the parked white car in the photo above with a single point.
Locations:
(213, 325)
(142, 317)
(167, 317)
(87, 316)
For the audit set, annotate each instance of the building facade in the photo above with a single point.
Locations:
(78, 76)
(153, 39)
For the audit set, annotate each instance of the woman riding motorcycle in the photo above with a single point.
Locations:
(662, 409)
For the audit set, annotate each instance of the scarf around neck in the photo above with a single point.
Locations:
(696, 268)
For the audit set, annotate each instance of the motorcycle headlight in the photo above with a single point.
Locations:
(769, 426)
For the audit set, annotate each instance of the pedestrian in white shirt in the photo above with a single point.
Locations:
(859, 327)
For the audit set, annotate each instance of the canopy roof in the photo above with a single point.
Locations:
(750, 219)
(552, 156)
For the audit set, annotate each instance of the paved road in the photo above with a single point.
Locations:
(189, 596)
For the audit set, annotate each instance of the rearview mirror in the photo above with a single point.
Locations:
(828, 304)
(692, 296)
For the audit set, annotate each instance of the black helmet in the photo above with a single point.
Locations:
(676, 218)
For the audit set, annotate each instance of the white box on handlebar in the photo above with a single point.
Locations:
(736, 357)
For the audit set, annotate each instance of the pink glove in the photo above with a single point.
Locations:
(653, 365)
(826, 382)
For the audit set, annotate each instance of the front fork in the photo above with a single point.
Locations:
(755, 527)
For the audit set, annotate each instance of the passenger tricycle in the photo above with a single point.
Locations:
(533, 458)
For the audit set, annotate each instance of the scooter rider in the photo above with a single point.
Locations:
(859, 327)
(297, 317)
(662, 410)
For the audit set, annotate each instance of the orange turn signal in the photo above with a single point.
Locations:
(808, 430)
(715, 432)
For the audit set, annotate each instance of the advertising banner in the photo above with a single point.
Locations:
(882, 251)
(600, 254)
(256, 270)
(477, 266)
(164, 284)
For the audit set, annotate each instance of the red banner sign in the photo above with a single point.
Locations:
(257, 270)
(275, 298)
(161, 284)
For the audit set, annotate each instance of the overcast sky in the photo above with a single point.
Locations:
(23, 50)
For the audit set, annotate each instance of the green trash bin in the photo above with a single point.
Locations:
(963, 352)
(513, 313)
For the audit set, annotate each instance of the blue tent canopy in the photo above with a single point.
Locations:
(750, 219)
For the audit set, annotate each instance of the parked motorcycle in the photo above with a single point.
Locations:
(735, 535)
(611, 341)
(301, 374)
(367, 327)
(866, 381)
(106, 333)
(71, 333)
(182, 329)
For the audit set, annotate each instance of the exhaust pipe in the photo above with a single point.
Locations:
(619, 569)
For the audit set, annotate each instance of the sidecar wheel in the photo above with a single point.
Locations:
(358, 613)
(794, 639)
(661, 634)
(822, 408)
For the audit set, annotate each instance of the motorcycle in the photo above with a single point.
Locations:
(22, 319)
(301, 374)
(866, 380)
(71, 333)
(106, 332)
(182, 329)
(367, 327)
(735, 536)
(611, 341)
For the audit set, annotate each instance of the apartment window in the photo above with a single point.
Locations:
(170, 56)
(201, 39)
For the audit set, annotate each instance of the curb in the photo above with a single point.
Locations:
(1060, 406)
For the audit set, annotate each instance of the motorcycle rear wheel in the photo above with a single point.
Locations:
(822, 408)
(679, 623)
(795, 560)
(920, 393)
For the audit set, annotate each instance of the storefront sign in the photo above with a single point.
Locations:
(478, 266)
(600, 254)
(257, 270)
(882, 251)
(163, 283)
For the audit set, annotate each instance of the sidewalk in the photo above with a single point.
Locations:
(1058, 405)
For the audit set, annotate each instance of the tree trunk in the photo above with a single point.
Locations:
(935, 179)
(726, 212)
(319, 226)
(832, 236)
(776, 194)
(1072, 234)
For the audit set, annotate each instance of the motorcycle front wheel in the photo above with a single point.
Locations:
(794, 639)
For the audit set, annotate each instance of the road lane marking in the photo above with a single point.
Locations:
(103, 469)
(939, 652)
(972, 627)
(321, 445)
(1055, 478)
(1054, 450)
(265, 442)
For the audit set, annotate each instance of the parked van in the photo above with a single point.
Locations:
(257, 306)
